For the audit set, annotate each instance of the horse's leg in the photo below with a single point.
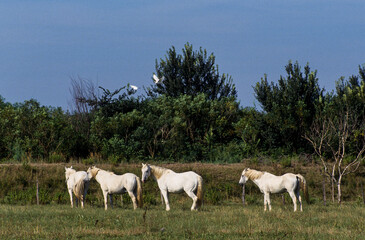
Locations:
(267, 200)
(111, 200)
(105, 200)
(134, 200)
(297, 194)
(194, 197)
(86, 187)
(294, 198)
(71, 199)
(83, 199)
(121, 198)
(165, 195)
(161, 198)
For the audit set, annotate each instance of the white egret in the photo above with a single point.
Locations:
(156, 78)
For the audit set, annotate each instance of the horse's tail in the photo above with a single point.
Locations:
(79, 188)
(139, 193)
(199, 192)
(305, 188)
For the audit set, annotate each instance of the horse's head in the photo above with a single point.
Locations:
(243, 178)
(92, 171)
(146, 171)
(69, 171)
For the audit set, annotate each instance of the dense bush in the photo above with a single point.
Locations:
(120, 127)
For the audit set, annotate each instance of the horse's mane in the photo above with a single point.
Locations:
(253, 174)
(94, 170)
(158, 171)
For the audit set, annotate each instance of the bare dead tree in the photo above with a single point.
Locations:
(82, 91)
(329, 136)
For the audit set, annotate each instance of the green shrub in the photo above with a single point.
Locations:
(56, 158)
(212, 196)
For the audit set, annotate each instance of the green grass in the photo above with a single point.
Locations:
(228, 221)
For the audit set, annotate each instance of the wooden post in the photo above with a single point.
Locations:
(324, 190)
(37, 185)
(362, 192)
(243, 194)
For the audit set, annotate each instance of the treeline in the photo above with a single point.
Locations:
(190, 113)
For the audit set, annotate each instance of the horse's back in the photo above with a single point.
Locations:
(129, 181)
(187, 176)
(76, 177)
(278, 184)
(178, 182)
(116, 183)
(81, 175)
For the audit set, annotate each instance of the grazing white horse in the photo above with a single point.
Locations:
(77, 183)
(269, 183)
(170, 181)
(111, 183)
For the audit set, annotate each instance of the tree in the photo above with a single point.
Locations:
(330, 136)
(191, 73)
(352, 93)
(338, 132)
(290, 106)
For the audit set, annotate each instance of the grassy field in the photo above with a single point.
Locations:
(228, 221)
(222, 217)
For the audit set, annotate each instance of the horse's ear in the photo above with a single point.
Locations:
(143, 164)
(65, 168)
(71, 167)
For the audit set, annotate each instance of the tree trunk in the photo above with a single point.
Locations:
(339, 191)
(332, 190)
(324, 191)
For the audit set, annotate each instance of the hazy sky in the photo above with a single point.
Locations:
(45, 43)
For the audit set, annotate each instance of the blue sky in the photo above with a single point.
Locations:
(43, 44)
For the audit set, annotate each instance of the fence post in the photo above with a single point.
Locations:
(243, 194)
(37, 185)
(362, 192)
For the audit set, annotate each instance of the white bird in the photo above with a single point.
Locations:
(134, 87)
(156, 78)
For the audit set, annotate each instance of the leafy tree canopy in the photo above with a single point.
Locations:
(190, 73)
(290, 105)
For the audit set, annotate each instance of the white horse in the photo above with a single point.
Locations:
(111, 183)
(269, 183)
(169, 181)
(77, 183)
